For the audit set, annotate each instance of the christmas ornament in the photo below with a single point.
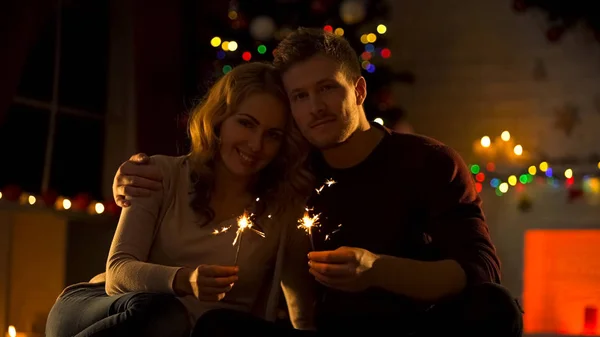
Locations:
(353, 11)
(11, 192)
(81, 201)
(262, 28)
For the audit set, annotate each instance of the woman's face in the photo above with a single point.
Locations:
(252, 137)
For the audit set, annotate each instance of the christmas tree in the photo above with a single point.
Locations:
(252, 30)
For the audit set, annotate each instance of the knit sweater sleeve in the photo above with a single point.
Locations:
(456, 222)
(127, 268)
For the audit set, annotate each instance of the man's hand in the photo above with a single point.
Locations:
(137, 177)
(345, 268)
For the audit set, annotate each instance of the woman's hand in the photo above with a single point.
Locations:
(206, 282)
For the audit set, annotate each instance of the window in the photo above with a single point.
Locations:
(53, 136)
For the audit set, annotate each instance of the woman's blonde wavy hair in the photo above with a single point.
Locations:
(286, 181)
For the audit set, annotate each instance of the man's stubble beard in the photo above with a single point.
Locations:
(343, 137)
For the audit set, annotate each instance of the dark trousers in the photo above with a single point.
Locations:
(484, 310)
(86, 310)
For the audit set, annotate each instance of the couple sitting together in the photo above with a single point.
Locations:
(402, 243)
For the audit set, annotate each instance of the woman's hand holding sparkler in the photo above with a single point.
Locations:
(346, 268)
(206, 282)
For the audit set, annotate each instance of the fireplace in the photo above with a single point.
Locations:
(561, 282)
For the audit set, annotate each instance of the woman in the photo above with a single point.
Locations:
(172, 257)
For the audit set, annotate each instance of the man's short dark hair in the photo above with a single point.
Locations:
(305, 43)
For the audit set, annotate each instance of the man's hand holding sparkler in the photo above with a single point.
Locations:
(346, 268)
(206, 282)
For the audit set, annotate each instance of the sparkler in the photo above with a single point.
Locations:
(307, 223)
(244, 222)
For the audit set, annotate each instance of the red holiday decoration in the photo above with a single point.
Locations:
(49, 198)
(12, 192)
(110, 207)
(81, 201)
(574, 194)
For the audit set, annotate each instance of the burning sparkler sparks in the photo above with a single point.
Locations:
(244, 222)
(308, 223)
(221, 231)
(328, 182)
(328, 236)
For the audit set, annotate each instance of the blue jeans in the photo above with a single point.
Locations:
(485, 310)
(85, 310)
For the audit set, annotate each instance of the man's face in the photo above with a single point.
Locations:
(324, 102)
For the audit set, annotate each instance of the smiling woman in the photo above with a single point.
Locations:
(243, 126)
(169, 260)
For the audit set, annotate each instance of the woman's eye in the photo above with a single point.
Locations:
(275, 135)
(245, 123)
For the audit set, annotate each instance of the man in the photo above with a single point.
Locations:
(403, 244)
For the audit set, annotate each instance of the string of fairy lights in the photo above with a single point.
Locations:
(62, 203)
(543, 172)
(231, 50)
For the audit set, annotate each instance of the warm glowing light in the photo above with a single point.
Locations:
(381, 29)
(378, 121)
(215, 41)
(243, 223)
(543, 166)
(532, 170)
(371, 37)
(486, 141)
(512, 180)
(568, 173)
(363, 39)
(518, 150)
(225, 45)
(233, 45)
(505, 136)
(599, 165)
(386, 53)
(66, 204)
(99, 207)
(232, 15)
(328, 28)
(0, 195)
(12, 331)
(246, 56)
(308, 222)
(503, 187)
(560, 266)
(31, 200)
(339, 31)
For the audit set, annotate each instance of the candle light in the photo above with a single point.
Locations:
(12, 332)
